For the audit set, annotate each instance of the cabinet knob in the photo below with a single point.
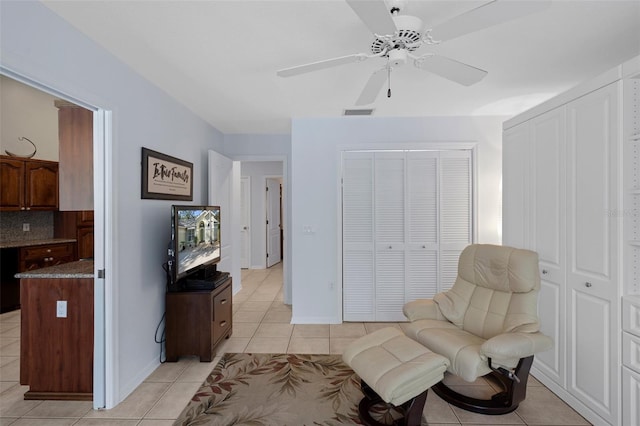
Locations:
(48, 250)
(28, 208)
(390, 247)
(545, 272)
(424, 247)
(22, 208)
(588, 284)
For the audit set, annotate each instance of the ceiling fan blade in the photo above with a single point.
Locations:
(489, 14)
(372, 88)
(375, 15)
(450, 69)
(320, 65)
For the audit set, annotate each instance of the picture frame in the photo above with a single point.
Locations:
(165, 177)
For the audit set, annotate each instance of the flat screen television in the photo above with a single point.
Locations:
(195, 241)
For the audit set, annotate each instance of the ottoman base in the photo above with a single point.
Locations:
(396, 371)
(411, 410)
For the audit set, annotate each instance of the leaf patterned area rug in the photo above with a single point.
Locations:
(278, 390)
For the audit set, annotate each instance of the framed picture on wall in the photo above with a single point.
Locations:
(165, 177)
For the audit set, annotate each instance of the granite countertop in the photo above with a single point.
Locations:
(78, 269)
(30, 243)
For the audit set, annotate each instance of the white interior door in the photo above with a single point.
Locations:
(245, 230)
(273, 221)
(224, 177)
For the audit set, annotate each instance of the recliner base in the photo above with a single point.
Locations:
(411, 410)
(503, 402)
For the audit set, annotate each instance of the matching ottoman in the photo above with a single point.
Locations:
(394, 369)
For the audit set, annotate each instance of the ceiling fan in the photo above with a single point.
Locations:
(398, 36)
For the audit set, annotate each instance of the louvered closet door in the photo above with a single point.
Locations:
(406, 216)
(389, 231)
(422, 225)
(456, 203)
(357, 237)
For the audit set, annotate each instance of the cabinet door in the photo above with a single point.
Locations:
(547, 236)
(592, 255)
(12, 182)
(42, 186)
(85, 242)
(630, 397)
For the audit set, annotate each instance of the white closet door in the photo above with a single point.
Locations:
(358, 268)
(406, 216)
(456, 224)
(592, 185)
(548, 191)
(389, 231)
(422, 225)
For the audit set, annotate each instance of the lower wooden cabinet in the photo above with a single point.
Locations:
(56, 353)
(197, 321)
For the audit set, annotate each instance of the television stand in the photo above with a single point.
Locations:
(197, 320)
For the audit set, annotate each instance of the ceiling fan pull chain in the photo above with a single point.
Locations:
(389, 82)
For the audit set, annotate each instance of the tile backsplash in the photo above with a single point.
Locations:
(40, 225)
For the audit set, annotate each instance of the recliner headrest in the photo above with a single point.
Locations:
(500, 268)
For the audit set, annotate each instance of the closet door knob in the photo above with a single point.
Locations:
(545, 272)
(390, 247)
(588, 284)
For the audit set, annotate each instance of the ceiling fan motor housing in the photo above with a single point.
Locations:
(408, 36)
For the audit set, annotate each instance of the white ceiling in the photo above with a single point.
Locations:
(219, 58)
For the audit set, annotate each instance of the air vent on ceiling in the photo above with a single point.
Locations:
(360, 111)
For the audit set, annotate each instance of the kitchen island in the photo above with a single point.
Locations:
(56, 338)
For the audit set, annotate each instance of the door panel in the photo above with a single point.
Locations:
(245, 231)
(592, 238)
(273, 221)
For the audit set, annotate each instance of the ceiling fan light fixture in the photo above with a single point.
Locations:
(397, 57)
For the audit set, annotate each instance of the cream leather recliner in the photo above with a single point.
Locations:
(487, 323)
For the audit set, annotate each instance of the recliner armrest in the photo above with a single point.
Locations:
(422, 309)
(515, 345)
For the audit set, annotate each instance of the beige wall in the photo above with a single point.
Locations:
(28, 112)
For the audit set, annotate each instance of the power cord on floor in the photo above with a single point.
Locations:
(162, 337)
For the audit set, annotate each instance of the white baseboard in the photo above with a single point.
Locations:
(131, 385)
(314, 320)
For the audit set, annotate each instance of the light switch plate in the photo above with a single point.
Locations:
(61, 309)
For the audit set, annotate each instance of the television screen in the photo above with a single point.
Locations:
(196, 238)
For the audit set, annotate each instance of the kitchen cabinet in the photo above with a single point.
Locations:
(37, 257)
(28, 184)
(79, 226)
(75, 134)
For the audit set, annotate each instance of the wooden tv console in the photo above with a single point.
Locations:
(197, 321)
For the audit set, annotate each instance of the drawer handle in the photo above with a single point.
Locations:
(223, 301)
(588, 284)
(223, 323)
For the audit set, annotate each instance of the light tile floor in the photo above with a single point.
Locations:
(261, 323)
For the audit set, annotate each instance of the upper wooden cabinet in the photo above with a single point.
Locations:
(28, 184)
(75, 133)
